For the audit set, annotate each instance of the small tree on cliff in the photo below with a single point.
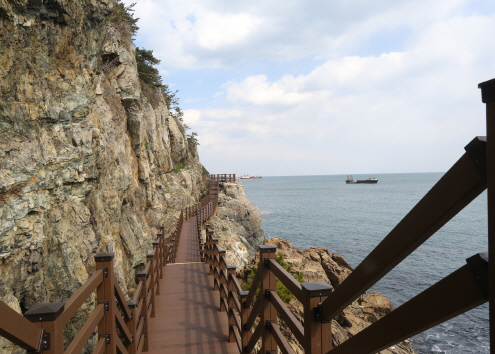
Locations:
(123, 19)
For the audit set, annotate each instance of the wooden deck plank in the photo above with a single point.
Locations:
(187, 310)
(188, 250)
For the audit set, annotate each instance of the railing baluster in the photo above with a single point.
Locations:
(105, 294)
(143, 336)
(47, 316)
(151, 279)
(488, 97)
(131, 324)
(246, 311)
(268, 281)
(317, 332)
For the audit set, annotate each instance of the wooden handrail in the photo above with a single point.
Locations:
(86, 331)
(80, 296)
(254, 312)
(287, 279)
(456, 189)
(100, 346)
(280, 339)
(119, 295)
(254, 339)
(18, 330)
(290, 320)
(122, 325)
(254, 286)
(422, 312)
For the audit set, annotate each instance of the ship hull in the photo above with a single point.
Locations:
(367, 181)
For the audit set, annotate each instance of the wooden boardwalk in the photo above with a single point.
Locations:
(187, 310)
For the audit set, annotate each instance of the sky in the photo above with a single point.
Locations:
(293, 87)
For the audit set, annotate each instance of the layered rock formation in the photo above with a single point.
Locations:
(318, 264)
(87, 152)
(238, 224)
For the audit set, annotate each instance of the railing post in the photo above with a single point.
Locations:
(213, 255)
(163, 260)
(105, 294)
(131, 324)
(231, 288)
(209, 243)
(221, 279)
(245, 312)
(141, 277)
(317, 333)
(156, 266)
(152, 283)
(268, 282)
(46, 316)
(488, 97)
(174, 249)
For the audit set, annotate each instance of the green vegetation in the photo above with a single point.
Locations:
(282, 290)
(180, 166)
(205, 171)
(122, 18)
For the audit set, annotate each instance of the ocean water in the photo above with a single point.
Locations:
(351, 220)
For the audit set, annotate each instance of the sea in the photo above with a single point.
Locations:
(351, 219)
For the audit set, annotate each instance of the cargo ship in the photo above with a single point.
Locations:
(351, 180)
(250, 177)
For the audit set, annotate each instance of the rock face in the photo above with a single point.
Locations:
(87, 152)
(318, 264)
(238, 224)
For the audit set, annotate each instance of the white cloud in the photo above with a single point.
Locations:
(410, 105)
(216, 31)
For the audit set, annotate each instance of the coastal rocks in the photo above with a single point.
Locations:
(237, 225)
(318, 264)
(87, 162)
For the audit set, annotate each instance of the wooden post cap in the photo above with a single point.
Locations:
(244, 294)
(317, 288)
(45, 312)
(150, 255)
(478, 265)
(222, 251)
(214, 239)
(156, 243)
(104, 257)
(487, 91)
(132, 304)
(267, 248)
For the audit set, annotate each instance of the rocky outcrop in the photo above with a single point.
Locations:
(87, 152)
(318, 264)
(237, 225)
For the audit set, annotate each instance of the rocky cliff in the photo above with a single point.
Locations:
(238, 224)
(91, 160)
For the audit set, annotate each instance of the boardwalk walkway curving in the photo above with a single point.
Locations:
(187, 310)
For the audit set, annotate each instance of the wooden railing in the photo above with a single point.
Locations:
(464, 289)
(41, 327)
(459, 292)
